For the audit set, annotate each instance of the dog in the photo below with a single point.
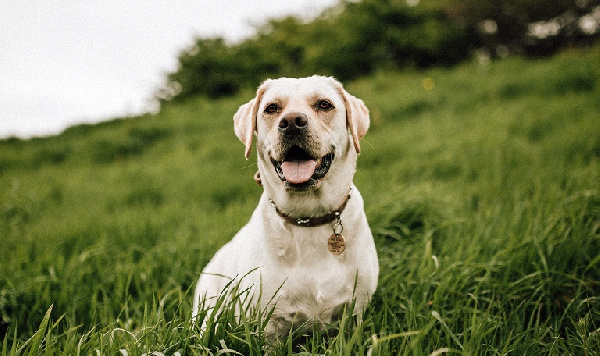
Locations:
(307, 251)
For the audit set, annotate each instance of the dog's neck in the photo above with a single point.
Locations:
(316, 220)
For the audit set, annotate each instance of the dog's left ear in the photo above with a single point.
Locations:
(357, 116)
(244, 120)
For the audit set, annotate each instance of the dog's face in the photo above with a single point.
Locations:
(307, 133)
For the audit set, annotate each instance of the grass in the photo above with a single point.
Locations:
(481, 185)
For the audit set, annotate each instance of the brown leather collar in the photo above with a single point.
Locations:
(313, 221)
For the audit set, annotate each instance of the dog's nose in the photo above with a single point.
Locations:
(294, 121)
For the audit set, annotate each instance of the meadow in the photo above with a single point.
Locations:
(481, 186)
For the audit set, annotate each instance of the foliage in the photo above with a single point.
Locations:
(511, 23)
(348, 41)
(355, 39)
(480, 184)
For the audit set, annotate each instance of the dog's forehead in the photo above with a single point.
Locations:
(301, 89)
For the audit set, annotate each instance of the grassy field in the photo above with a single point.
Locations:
(481, 184)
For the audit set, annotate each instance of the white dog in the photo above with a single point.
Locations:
(308, 243)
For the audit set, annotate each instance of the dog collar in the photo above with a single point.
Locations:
(314, 221)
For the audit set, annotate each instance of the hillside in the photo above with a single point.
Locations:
(480, 184)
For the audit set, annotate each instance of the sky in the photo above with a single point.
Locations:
(69, 62)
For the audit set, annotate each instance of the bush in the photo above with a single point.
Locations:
(356, 39)
(350, 41)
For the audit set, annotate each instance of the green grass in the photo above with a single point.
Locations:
(481, 184)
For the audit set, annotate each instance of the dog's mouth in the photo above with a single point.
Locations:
(299, 169)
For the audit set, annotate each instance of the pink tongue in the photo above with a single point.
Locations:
(297, 172)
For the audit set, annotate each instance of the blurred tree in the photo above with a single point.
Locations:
(374, 34)
(356, 38)
(206, 68)
(424, 35)
(283, 44)
(507, 23)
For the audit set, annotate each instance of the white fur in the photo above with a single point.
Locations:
(291, 266)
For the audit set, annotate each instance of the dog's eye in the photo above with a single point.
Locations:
(325, 105)
(272, 108)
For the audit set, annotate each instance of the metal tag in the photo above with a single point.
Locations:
(336, 244)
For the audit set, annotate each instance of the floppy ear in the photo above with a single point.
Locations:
(244, 121)
(357, 117)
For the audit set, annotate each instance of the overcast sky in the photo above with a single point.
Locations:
(67, 62)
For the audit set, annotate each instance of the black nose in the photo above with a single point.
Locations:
(293, 122)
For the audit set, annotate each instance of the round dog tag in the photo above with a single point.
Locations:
(336, 244)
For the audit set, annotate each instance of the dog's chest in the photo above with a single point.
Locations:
(317, 291)
(308, 281)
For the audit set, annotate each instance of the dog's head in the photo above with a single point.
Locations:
(307, 132)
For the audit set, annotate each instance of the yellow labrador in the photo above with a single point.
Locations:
(308, 243)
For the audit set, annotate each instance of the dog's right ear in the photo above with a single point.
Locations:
(244, 120)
